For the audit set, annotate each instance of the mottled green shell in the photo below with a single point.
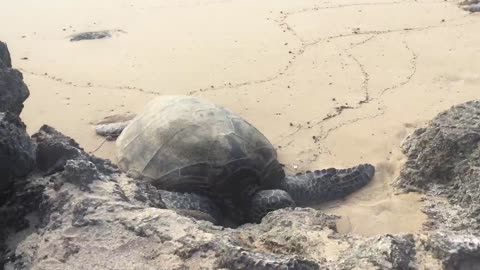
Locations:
(188, 144)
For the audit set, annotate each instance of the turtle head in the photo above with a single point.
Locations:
(265, 201)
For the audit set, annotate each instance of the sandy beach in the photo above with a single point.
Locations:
(330, 83)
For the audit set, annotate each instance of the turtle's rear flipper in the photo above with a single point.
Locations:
(192, 205)
(329, 184)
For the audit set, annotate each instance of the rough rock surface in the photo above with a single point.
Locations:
(471, 5)
(76, 211)
(13, 91)
(17, 156)
(84, 216)
(5, 60)
(55, 149)
(89, 212)
(444, 158)
(456, 251)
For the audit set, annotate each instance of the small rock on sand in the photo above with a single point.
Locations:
(94, 35)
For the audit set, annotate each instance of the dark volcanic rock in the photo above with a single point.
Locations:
(13, 91)
(19, 196)
(17, 156)
(54, 150)
(77, 211)
(5, 60)
(99, 218)
(94, 35)
(444, 158)
(470, 5)
(80, 172)
(455, 251)
(91, 35)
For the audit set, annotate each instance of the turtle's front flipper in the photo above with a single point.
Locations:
(329, 184)
(191, 204)
(111, 126)
(111, 129)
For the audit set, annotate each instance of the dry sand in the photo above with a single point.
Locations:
(331, 83)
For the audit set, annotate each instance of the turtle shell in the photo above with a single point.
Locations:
(187, 144)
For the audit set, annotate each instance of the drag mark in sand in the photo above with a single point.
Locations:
(325, 132)
(304, 45)
(319, 138)
(89, 84)
(366, 98)
(413, 68)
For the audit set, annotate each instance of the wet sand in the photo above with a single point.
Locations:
(330, 83)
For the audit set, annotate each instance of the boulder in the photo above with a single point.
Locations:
(17, 153)
(5, 60)
(89, 216)
(444, 158)
(76, 211)
(13, 91)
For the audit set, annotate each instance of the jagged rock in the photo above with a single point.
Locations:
(382, 252)
(456, 251)
(55, 149)
(472, 8)
(5, 60)
(442, 215)
(470, 5)
(239, 258)
(149, 195)
(299, 231)
(13, 91)
(80, 172)
(444, 158)
(21, 205)
(117, 213)
(77, 211)
(17, 154)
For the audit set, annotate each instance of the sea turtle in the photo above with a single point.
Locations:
(205, 158)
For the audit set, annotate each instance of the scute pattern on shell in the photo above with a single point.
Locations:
(187, 144)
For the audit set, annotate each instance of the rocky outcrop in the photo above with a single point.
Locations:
(16, 149)
(5, 60)
(76, 211)
(87, 216)
(17, 152)
(13, 91)
(17, 156)
(54, 150)
(455, 251)
(444, 158)
(118, 222)
(471, 5)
